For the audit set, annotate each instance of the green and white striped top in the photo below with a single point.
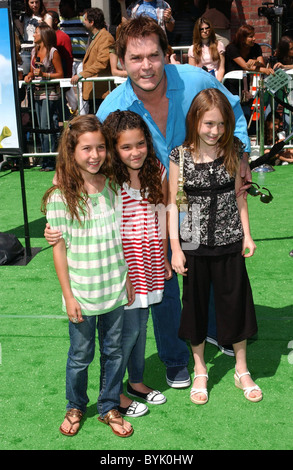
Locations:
(96, 265)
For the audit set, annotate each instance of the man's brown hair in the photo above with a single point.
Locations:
(140, 27)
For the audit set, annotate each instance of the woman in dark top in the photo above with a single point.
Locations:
(284, 54)
(244, 54)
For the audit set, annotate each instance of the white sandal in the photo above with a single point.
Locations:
(194, 391)
(247, 390)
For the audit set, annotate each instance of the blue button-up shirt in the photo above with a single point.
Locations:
(183, 84)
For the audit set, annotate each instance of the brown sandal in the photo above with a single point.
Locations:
(114, 417)
(73, 413)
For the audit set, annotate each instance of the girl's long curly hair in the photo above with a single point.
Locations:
(205, 101)
(149, 174)
(68, 175)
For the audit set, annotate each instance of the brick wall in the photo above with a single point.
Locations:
(52, 4)
(242, 11)
(245, 11)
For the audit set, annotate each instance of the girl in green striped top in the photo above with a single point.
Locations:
(91, 269)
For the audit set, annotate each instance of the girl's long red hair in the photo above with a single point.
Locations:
(205, 101)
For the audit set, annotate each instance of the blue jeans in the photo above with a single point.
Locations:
(172, 350)
(47, 121)
(81, 354)
(133, 343)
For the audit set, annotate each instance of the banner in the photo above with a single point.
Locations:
(10, 134)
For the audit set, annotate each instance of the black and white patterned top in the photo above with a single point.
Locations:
(213, 217)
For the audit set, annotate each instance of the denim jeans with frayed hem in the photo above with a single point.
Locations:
(81, 354)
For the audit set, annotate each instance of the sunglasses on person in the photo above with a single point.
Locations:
(204, 29)
(254, 191)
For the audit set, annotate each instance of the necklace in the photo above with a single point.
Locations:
(202, 157)
(94, 199)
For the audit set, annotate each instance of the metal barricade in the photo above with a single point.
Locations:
(65, 85)
(258, 89)
(181, 51)
(258, 144)
(34, 130)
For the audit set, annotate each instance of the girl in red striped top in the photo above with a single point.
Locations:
(143, 182)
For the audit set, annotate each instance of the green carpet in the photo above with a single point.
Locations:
(34, 344)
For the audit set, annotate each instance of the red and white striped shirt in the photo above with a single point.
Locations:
(142, 245)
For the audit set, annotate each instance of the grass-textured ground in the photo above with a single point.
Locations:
(34, 344)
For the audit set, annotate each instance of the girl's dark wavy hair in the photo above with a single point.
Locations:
(149, 174)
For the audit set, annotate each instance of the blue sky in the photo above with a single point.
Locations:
(7, 101)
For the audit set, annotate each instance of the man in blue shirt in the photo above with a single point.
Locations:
(162, 95)
(183, 83)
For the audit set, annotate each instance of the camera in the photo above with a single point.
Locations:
(271, 12)
(38, 63)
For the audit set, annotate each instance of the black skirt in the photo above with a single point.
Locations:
(235, 313)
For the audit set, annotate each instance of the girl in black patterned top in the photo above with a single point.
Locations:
(214, 239)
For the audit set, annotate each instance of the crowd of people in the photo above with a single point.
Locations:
(81, 41)
(117, 250)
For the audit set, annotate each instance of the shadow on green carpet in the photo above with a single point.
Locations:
(34, 344)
